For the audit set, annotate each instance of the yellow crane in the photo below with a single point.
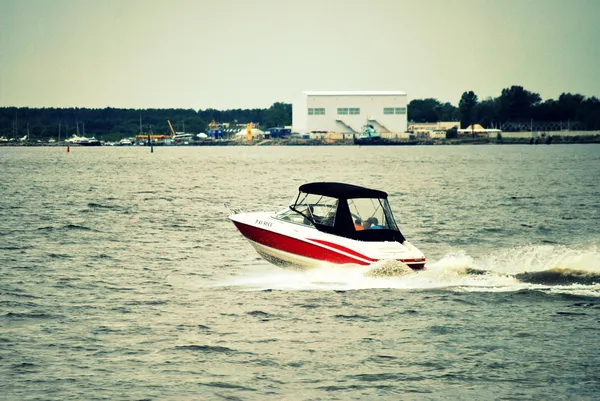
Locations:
(172, 130)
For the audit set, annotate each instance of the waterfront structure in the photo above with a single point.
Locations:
(478, 130)
(347, 112)
(432, 130)
(437, 126)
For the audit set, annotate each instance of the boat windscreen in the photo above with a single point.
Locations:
(371, 213)
(363, 219)
(316, 209)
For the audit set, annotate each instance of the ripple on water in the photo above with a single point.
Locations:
(208, 349)
(124, 279)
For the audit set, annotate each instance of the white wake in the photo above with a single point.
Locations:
(545, 268)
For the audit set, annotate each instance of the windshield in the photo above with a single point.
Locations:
(362, 219)
(371, 213)
(311, 208)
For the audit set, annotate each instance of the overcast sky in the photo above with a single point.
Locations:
(228, 54)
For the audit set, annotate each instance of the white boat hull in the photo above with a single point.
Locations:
(288, 244)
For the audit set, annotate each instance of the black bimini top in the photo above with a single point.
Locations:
(344, 220)
(341, 191)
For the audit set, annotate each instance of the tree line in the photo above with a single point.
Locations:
(513, 110)
(115, 123)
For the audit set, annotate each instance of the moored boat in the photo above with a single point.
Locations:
(89, 142)
(368, 136)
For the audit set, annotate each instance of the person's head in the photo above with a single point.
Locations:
(371, 221)
(358, 222)
(366, 224)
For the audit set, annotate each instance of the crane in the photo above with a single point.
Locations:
(172, 130)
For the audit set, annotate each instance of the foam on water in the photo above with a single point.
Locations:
(553, 269)
(536, 258)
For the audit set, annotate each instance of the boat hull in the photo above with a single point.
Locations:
(309, 251)
(368, 141)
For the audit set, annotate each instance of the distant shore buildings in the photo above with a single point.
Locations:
(329, 116)
(432, 130)
(340, 115)
(347, 112)
(478, 130)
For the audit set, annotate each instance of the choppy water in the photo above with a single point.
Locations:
(123, 279)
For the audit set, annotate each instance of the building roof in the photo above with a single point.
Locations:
(354, 93)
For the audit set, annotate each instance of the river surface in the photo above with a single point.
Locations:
(123, 279)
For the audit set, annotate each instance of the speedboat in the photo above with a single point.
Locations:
(329, 222)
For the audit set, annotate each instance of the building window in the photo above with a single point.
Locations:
(342, 110)
(311, 111)
(319, 111)
(394, 110)
(354, 110)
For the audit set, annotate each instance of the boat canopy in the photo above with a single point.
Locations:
(341, 191)
(351, 211)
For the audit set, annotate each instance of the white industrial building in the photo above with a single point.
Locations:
(348, 111)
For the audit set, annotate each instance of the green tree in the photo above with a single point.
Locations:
(452, 133)
(466, 107)
(517, 103)
(447, 112)
(570, 106)
(590, 110)
(487, 112)
(278, 115)
(546, 111)
(426, 110)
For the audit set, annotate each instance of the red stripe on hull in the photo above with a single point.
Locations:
(293, 245)
(343, 249)
(412, 263)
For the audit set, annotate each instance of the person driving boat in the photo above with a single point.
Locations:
(374, 223)
(358, 225)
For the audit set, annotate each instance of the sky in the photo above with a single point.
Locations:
(229, 54)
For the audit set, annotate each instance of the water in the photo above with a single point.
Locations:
(123, 279)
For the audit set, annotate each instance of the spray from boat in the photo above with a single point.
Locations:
(549, 269)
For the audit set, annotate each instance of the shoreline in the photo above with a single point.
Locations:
(587, 139)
